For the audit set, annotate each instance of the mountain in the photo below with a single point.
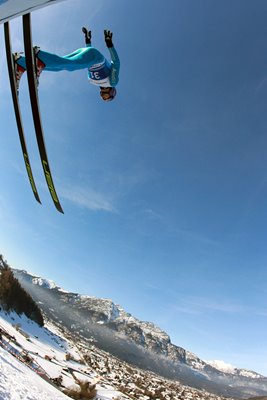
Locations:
(112, 329)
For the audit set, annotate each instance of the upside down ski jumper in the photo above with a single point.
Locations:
(101, 72)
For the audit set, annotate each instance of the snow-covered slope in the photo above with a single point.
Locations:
(42, 362)
(28, 385)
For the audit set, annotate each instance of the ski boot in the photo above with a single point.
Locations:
(39, 65)
(18, 69)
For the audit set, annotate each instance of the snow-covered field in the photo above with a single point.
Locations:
(47, 353)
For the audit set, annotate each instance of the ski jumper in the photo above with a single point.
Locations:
(101, 72)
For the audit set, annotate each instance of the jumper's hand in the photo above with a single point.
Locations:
(108, 38)
(87, 35)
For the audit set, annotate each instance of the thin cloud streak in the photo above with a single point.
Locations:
(196, 237)
(199, 305)
(88, 198)
(261, 84)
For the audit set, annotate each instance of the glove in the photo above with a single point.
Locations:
(108, 38)
(87, 35)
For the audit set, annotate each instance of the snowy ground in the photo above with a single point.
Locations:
(47, 351)
(18, 382)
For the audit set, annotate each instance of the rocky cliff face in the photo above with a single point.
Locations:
(107, 314)
(138, 342)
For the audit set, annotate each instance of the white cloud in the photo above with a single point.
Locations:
(151, 214)
(88, 198)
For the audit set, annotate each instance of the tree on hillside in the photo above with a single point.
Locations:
(14, 298)
(2, 262)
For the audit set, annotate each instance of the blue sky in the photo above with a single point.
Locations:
(164, 190)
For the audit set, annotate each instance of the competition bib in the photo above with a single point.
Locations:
(99, 72)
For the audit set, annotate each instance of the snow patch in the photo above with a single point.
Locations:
(222, 366)
(46, 283)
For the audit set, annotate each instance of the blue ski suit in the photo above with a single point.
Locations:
(101, 72)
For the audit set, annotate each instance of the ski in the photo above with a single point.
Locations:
(15, 98)
(32, 82)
